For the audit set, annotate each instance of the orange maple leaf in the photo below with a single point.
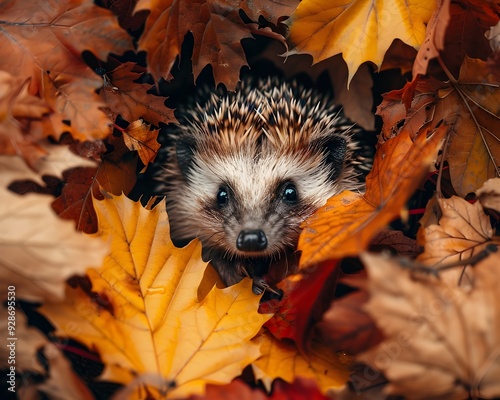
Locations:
(346, 223)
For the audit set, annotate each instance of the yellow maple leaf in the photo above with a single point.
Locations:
(149, 325)
(283, 360)
(362, 30)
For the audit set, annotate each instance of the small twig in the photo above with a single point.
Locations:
(472, 261)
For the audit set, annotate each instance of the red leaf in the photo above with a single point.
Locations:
(303, 302)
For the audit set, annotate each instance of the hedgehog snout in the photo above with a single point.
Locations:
(251, 240)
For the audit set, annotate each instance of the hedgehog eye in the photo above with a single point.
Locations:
(290, 194)
(222, 197)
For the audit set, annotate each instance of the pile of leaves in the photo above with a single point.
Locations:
(102, 304)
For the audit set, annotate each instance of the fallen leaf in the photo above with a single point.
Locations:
(305, 296)
(399, 55)
(148, 325)
(299, 389)
(116, 174)
(137, 136)
(236, 390)
(470, 107)
(346, 223)
(58, 73)
(271, 10)
(434, 37)
(465, 36)
(283, 360)
(461, 231)
(27, 342)
(357, 102)
(62, 381)
(489, 194)
(360, 30)
(442, 341)
(18, 109)
(493, 35)
(131, 99)
(39, 250)
(217, 32)
(346, 326)
(58, 158)
(397, 242)
(124, 9)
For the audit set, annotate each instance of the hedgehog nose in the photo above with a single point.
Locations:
(251, 240)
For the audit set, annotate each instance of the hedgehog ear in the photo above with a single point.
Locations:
(184, 150)
(335, 149)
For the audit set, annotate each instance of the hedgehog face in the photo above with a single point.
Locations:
(251, 203)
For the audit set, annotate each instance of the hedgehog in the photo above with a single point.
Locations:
(245, 169)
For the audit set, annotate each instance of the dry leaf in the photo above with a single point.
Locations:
(465, 35)
(442, 341)
(471, 109)
(399, 55)
(27, 340)
(39, 250)
(397, 242)
(346, 326)
(138, 137)
(304, 297)
(489, 194)
(493, 35)
(462, 230)
(130, 99)
(236, 390)
(149, 326)
(62, 382)
(361, 31)
(59, 75)
(124, 9)
(217, 32)
(434, 38)
(116, 174)
(18, 109)
(59, 158)
(283, 360)
(346, 223)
